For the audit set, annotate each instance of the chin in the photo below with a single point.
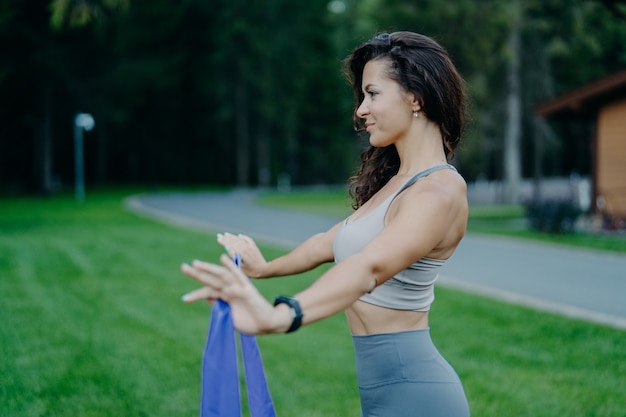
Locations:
(379, 144)
(373, 141)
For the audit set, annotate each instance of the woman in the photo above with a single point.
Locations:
(410, 215)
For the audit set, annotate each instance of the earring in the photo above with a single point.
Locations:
(416, 114)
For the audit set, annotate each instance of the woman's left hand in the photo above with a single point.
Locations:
(251, 312)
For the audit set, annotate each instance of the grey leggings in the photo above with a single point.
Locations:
(404, 375)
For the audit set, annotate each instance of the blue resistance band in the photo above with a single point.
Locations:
(220, 372)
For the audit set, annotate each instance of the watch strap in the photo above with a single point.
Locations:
(296, 311)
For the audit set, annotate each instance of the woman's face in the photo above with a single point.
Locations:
(386, 108)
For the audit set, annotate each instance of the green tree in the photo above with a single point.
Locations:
(228, 92)
(80, 13)
(556, 45)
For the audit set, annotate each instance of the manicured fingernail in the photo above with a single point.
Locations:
(185, 297)
(227, 249)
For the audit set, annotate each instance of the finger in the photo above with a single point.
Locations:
(221, 239)
(230, 251)
(212, 269)
(229, 239)
(238, 276)
(228, 242)
(206, 266)
(204, 293)
(209, 275)
(246, 239)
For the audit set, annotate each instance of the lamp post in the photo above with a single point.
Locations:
(81, 121)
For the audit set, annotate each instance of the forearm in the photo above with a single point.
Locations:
(332, 293)
(338, 288)
(308, 255)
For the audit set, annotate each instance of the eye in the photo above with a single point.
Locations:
(371, 93)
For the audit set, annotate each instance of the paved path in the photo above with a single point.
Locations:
(585, 284)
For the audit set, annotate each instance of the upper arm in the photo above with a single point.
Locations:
(322, 250)
(422, 220)
(426, 219)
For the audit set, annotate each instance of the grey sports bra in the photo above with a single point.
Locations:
(411, 289)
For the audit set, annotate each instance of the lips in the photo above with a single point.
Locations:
(368, 126)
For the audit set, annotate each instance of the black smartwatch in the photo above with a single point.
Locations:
(296, 311)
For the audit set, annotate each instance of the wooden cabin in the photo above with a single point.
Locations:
(603, 100)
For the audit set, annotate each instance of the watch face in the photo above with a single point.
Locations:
(294, 308)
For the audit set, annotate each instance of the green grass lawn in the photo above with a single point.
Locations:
(93, 325)
(332, 202)
(506, 220)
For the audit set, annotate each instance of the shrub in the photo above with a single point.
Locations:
(552, 216)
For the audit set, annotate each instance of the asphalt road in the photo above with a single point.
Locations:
(578, 283)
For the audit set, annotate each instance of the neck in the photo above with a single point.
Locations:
(421, 149)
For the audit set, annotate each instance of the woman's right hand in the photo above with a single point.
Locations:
(252, 260)
(251, 312)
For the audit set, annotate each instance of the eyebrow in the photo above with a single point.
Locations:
(368, 86)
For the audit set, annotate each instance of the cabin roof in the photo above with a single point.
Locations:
(587, 99)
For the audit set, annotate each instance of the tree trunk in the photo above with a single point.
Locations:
(263, 157)
(541, 131)
(242, 153)
(537, 158)
(101, 156)
(45, 162)
(512, 151)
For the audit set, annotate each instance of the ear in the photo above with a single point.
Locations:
(415, 102)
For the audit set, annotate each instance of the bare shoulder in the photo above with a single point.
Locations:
(451, 186)
(434, 212)
(444, 188)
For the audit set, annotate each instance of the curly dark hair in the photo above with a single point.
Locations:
(423, 67)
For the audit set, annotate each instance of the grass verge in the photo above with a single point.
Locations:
(93, 326)
(504, 220)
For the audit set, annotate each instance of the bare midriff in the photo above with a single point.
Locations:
(364, 318)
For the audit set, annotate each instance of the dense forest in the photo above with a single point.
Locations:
(248, 93)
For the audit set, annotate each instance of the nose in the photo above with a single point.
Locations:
(362, 110)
